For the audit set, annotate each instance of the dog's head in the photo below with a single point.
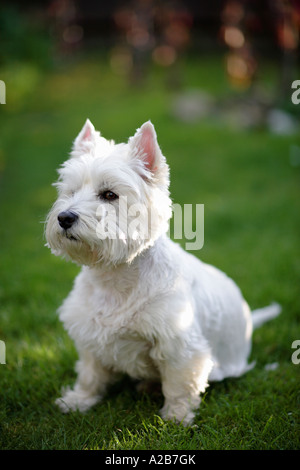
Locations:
(113, 199)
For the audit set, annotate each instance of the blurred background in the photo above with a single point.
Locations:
(254, 43)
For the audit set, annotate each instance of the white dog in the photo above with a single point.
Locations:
(141, 305)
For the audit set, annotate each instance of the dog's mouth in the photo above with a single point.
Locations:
(70, 237)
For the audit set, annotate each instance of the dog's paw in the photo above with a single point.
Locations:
(185, 419)
(181, 410)
(63, 405)
(76, 401)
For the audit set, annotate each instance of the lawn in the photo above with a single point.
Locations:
(251, 194)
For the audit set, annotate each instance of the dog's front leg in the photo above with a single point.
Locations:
(182, 385)
(90, 385)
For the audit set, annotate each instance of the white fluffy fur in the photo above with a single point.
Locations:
(144, 307)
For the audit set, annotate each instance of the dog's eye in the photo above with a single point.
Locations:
(108, 196)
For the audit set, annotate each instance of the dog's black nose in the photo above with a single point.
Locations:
(66, 219)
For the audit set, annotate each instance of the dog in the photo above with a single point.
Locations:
(140, 305)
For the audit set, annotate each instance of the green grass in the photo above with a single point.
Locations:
(251, 196)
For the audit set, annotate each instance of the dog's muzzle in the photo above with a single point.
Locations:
(66, 219)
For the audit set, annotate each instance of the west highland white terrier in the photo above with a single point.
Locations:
(140, 305)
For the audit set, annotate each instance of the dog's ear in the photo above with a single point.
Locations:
(86, 139)
(143, 146)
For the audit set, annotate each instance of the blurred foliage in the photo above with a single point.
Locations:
(25, 53)
(22, 79)
(23, 38)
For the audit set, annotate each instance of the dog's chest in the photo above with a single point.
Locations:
(109, 327)
(126, 351)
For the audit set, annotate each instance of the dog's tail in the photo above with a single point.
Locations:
(262, 315)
